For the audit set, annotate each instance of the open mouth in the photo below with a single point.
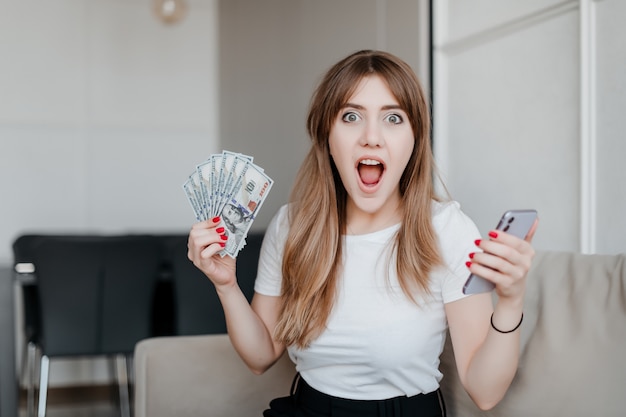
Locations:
(370, 171)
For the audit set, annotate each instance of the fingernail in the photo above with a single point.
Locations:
(224, 237)
(222, 244)
(493, 234)
(471, 255)
(220, 230)
(468, 264)
(477, 242)
(216, 219)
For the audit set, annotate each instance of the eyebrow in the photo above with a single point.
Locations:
(385, 107)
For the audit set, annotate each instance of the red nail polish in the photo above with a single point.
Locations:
(477, 242)
(222, 244)
(471, 255)
(493, 234)
(220, 230)
(224, 237)
(468, 264)
(216, 219)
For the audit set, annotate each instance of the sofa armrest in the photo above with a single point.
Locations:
(202, 376)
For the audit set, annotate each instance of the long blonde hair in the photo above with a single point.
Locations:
(313, 250)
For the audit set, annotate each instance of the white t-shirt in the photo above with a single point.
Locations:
(378, 344)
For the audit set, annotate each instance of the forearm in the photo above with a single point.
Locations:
(494, 364)
(248, 334)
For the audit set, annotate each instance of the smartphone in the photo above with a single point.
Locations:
(515, 222)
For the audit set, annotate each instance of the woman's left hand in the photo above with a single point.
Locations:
(505, 261)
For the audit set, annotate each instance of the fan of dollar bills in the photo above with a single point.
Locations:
(231, 186)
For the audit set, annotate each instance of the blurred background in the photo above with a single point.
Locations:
(106, 106)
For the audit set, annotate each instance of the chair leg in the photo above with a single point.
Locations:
(122, 383)
(30, 369)
(25, 363)
(43, 385)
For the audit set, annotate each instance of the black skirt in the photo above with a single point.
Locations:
(306, 401)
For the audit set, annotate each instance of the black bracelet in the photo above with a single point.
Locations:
(508, 331)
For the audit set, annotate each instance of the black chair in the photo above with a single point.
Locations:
(95, 299)
(24, 248)
(24, 266)
(197, 307)
(24, 269)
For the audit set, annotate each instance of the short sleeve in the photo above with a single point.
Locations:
(269, 274)
(456, 233)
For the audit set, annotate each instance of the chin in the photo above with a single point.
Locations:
(368, 205)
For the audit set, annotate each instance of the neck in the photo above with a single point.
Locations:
(360, 222)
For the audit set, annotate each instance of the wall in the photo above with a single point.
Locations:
(274, 52)
(606, 125)
(527, 115)
(105, 110)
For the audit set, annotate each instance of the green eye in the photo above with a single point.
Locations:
(395, 119)
(350, 117)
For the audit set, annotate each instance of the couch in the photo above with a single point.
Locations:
(572, 359)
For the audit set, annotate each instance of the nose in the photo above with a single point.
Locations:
(373, 134)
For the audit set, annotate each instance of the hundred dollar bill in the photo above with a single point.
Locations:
(239, 167)
(216, 166)
(204, 176)
(250, 191)
(192, 197)
(229, 163)
(223, 163)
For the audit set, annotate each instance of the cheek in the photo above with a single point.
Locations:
(405, 144)
(409, 150)
(334, 146)
(404, 152)
(331, 147)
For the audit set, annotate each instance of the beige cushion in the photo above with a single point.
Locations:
(202, 376)
(573, 359)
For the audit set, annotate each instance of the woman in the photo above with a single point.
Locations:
(363, 270)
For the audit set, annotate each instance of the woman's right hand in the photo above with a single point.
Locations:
(206, 239)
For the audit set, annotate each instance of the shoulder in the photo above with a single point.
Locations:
(278, 228)
(269, 275)
(455, 230)
(456, 234)
(280, 221)
(447, 217)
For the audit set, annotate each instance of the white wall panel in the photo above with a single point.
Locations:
(42, 65)
(510, 110)
(610, 102)
(136, 178)
(42, 181)
(147, 74)
(460, 19)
